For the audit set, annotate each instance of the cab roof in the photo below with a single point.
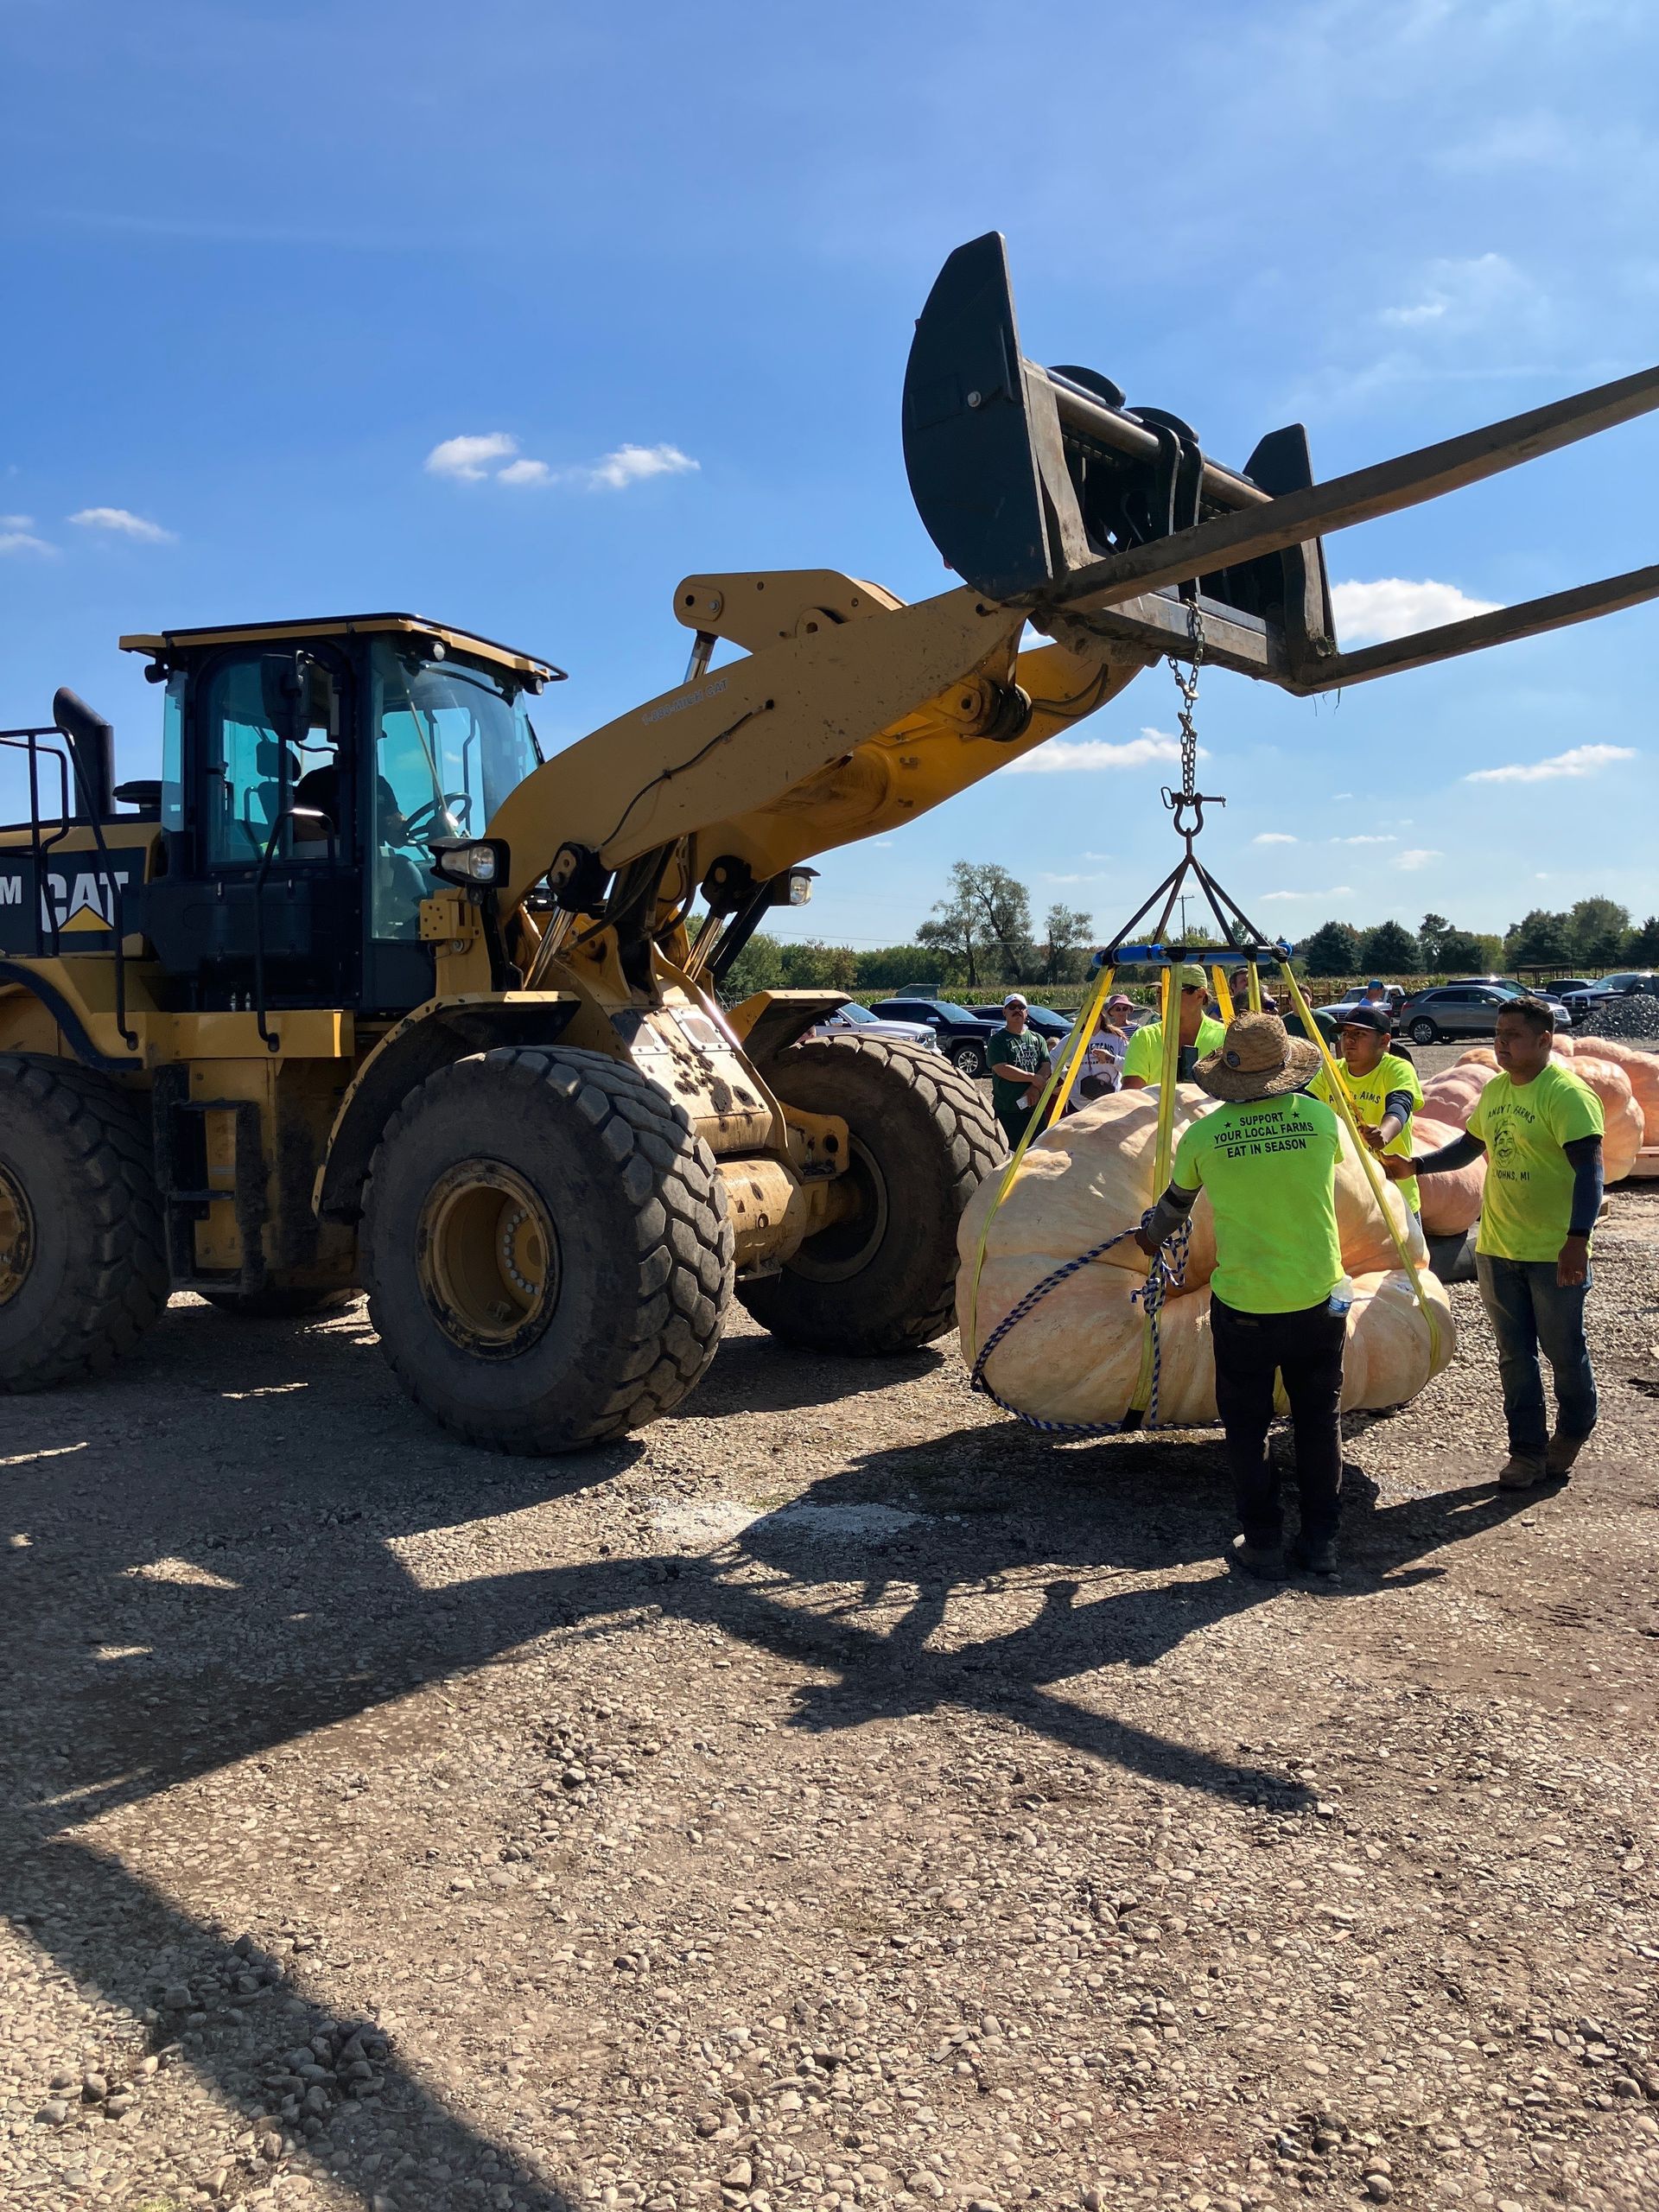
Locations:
(348, 626)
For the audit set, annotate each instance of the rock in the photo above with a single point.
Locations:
(94, 2088)
(53, 2114)
(739, 2175)
(1379, 2188)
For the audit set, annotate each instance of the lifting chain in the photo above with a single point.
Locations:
(1186, 682)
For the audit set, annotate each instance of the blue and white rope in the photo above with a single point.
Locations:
(1165, 1275)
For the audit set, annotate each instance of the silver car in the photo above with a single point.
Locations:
(852, 1016)
(1470, 1009)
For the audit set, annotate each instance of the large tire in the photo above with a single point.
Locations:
(604, 1215)
(924, 1140)
(83, 1258)
(275, 1302)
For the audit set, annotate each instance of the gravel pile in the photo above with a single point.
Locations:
(1635, 1019)
(834, 1798)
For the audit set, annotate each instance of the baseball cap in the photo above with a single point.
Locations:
(1360, 1016)
(1191, 977)
(1014, 998)
(1119, 998)
(1376, 983)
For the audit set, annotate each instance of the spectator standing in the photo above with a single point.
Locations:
(1016, 1055)
(1278, 1298)
(1102, 1071)
(1539, 1127)
(1143, 1062)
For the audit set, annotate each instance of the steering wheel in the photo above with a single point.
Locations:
(456, 806)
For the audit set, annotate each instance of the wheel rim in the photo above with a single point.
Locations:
(847, 1246)
(487, 1257)
(16, 1238)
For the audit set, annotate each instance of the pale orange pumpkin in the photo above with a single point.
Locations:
(1642, 1068)
(1451, 1200)
(1621, 1115)
(1077, 1355)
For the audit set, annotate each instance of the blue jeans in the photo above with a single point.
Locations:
(1530, 1313)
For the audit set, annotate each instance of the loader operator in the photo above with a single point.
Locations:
(400, 883)
(1143, 1062)
(1278, 1298)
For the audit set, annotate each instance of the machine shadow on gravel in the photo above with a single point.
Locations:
(135, 1684)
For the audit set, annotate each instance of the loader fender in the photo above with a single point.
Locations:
(20, 1026)
(769, 1022)
(434, 1036)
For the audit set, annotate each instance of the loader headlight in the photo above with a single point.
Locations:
(792, 888)
(479, 860)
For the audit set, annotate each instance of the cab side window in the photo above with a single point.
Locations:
(257, 766)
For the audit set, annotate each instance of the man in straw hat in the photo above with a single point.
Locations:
(1268, 1157)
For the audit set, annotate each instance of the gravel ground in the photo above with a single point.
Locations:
(834, 1796)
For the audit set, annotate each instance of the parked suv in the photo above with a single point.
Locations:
(1466, 1009)
(961, 1036)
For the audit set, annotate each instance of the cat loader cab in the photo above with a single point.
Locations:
(307, 771)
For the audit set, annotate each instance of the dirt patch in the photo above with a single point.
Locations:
(834, 1796)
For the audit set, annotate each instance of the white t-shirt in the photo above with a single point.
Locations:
(1103, 1059)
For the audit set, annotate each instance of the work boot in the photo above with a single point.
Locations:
(1562, 1452)
(1265, 1562)
(1522, 1470)
(1314, 1555)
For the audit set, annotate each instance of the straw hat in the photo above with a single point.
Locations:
(1258, 1058)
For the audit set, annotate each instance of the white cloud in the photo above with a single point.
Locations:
(467, 461)
(1337, 891)
(465, 458)
(1334, 796)
(16, 537)
(1273, 837)
(122, 524)
(632, 465)
(1062, 753)
(1417, 856)
(1577, 760)
(1393, 607)
(1463, 295)
(16, 522)
(1047, 876)
(1364, 841)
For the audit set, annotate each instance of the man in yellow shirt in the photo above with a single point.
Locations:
(1383, 1087)
(1539, 1128)
(1267, 1157)
(1143, 1064)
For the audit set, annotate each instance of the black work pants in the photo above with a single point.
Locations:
(1306, 1348)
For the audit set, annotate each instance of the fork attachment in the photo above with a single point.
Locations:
(1042, 487)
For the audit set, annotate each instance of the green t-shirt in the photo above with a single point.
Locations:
(1270, 1168)
(1369, 1094)
(1527, 1204)
(1026, 1050)
(1144, 1057)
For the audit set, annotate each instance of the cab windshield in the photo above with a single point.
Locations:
(451, 741)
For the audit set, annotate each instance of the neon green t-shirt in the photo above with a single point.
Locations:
(1144, 1057)
(1369, 1094)
(1527, 1202)
(1270, 1168)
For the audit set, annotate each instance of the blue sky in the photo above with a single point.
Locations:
(261, 263)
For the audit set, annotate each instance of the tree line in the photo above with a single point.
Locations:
(1593, 933)
(982, 933)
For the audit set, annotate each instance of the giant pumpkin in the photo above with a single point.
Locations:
(1621, 1115)
(1076, 1356)
(1451, 1200)
(1642, 1068)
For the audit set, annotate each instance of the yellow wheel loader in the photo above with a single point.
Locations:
(364, 992)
